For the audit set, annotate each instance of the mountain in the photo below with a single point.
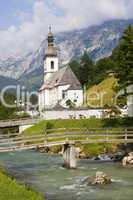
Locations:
(4, 81)
(98, 41)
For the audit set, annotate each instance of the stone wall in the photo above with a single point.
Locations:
(71, 114)
(130, 100)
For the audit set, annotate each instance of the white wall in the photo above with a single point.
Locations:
(130, 100)
(53, 97)
(41, 100)
(49, 98)
(76, 95)
(67, 114)
(47, 67)
(71, 95)
(130, 105)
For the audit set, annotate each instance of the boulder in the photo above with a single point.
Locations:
(128, 160)
(101, 179)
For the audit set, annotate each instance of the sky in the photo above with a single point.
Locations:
(24, 23)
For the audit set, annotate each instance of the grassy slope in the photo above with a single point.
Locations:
(10, 190)
(82, 123)
(106, 88)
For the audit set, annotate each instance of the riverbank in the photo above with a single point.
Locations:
(11, 190)
(87, 150)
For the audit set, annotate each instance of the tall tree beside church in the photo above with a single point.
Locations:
(102, 67)
(123, 56)
(74, 64)
(86, 70)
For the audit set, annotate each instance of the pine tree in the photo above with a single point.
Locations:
(74, 64)
(86, 70)
(102, 67)
(123, 56)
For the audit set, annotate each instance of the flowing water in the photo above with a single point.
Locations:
(45, 174)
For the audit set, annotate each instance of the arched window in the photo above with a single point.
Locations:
(64, 94)
(52, 64)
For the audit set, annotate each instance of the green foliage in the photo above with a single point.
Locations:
(5, 112)
(86, 70)
(102, 68)
(96, 149)
(123, 56)
(10, 190)
(56, 149)
(118, 122)
(70, 104)
(89, 73)
(23, 115)
(49, 125)
(75, 66)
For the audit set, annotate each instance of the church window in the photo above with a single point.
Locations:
(75, 97)
(52, 64)
(64, 94)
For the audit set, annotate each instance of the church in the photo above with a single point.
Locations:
(60, 83)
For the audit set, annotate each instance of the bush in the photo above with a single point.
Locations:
(49, 125)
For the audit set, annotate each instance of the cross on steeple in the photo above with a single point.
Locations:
(50, 29)
(50, 37)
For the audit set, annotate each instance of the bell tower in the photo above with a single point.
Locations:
(51, 62)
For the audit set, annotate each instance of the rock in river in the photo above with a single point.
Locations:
(100, 179)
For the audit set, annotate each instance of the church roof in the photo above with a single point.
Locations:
(64, 76)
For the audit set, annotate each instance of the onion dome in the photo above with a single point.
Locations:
(51, 50)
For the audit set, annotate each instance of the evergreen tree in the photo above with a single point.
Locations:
(74, 64)
(5, 112)
(123, 56)
(86, 70)
(102, 67)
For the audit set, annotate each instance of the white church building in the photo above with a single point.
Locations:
(60, 83)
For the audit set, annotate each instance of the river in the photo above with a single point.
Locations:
(45, 174)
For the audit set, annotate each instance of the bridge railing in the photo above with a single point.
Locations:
(17, 122)
(53, 137)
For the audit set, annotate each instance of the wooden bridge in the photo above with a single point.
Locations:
(55, 137)
(18, 122)
(22, 124)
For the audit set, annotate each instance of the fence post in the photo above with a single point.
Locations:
(66, 139)
(107, 135)
(126, 136)
(45, 134)
(8, 136)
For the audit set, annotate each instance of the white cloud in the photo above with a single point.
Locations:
(62, 15)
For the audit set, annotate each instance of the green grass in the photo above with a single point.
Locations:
(105, 89)
(11, 190)
(96, 149)
(54, 124)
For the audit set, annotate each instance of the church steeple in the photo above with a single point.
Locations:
(51, 63)
(50, 37)
(51, 50)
